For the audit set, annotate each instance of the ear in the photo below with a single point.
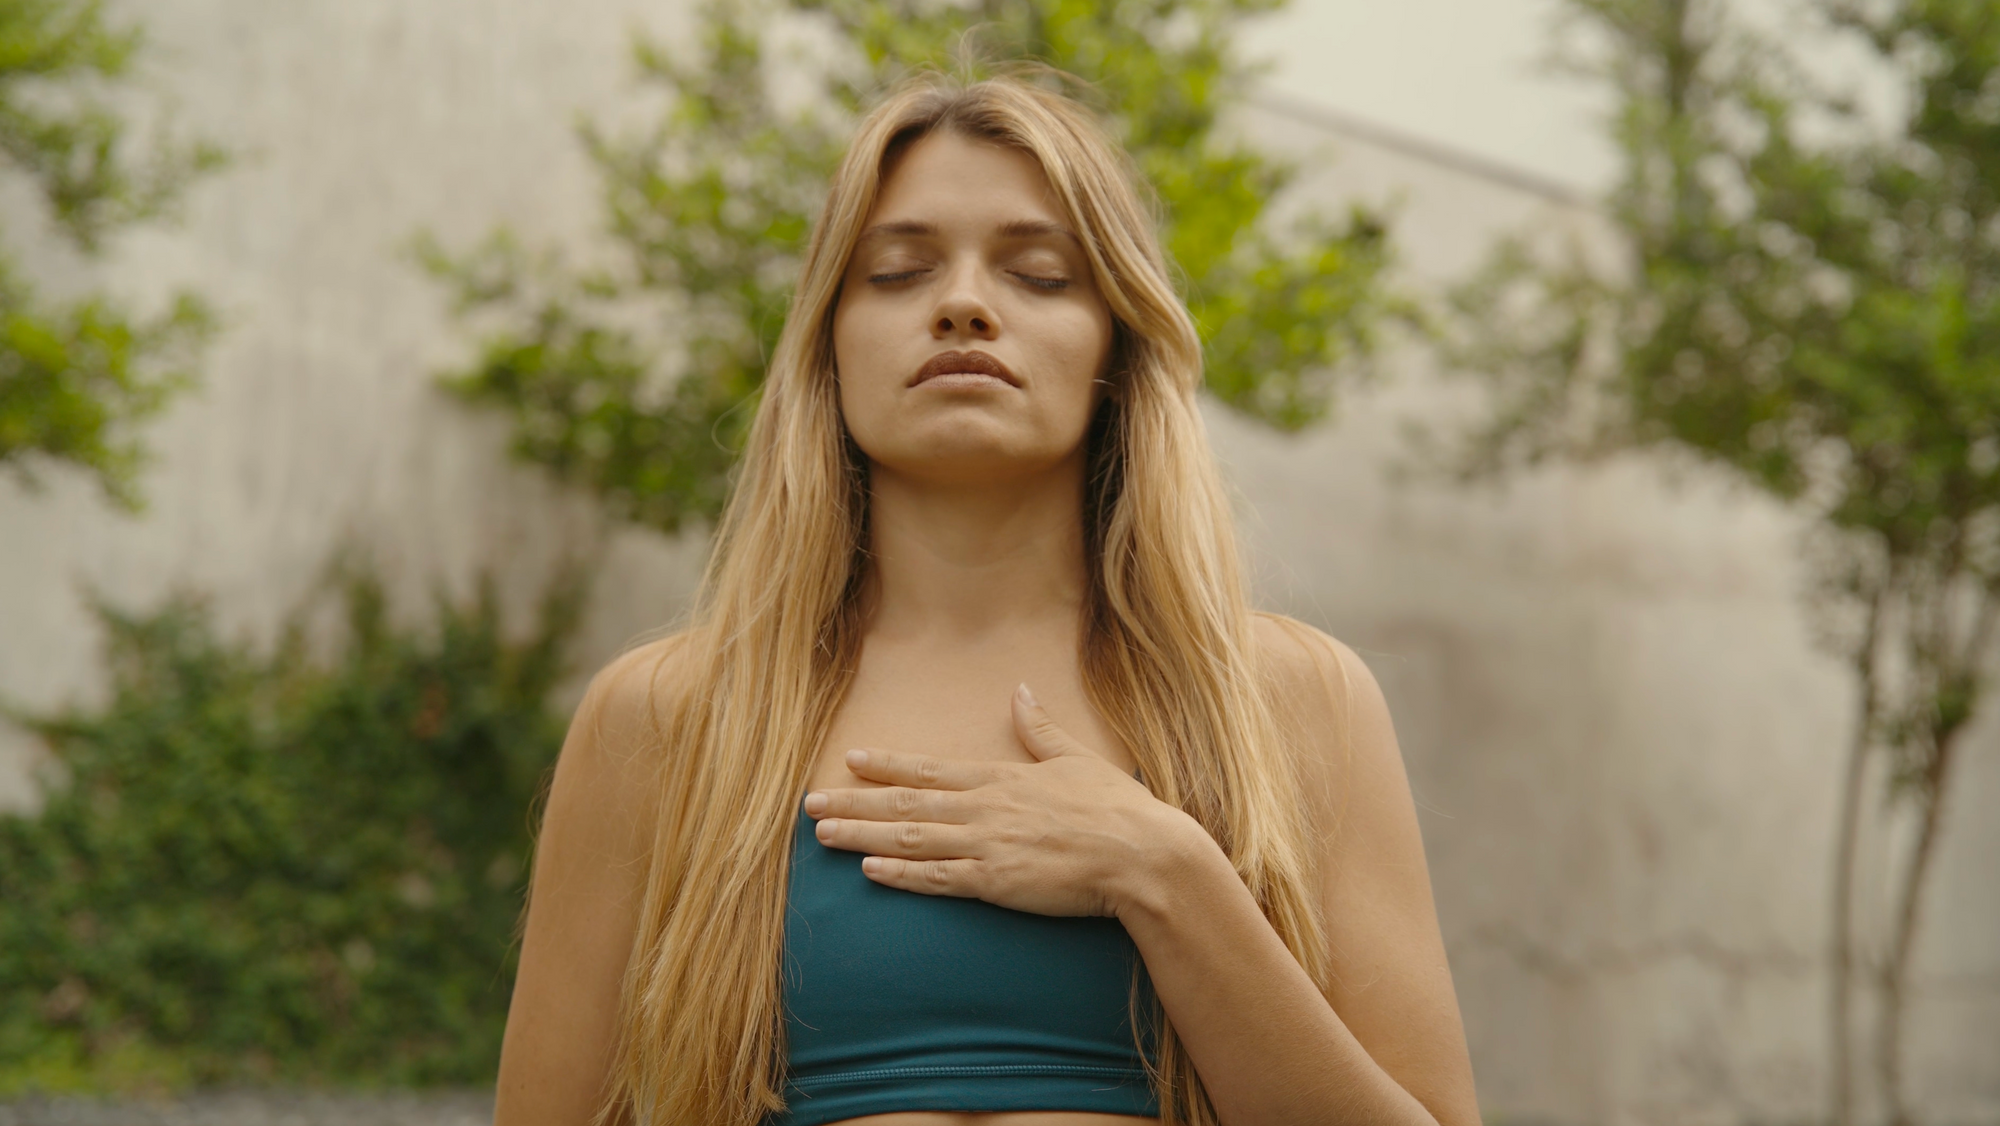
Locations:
(1038, 732)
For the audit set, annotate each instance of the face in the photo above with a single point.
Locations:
(969, 334)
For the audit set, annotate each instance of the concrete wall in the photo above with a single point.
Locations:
(356, 123)
(1623, 743)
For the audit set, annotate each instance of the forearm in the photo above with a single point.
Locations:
(1269, 1047)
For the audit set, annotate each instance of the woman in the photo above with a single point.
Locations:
(975, 793)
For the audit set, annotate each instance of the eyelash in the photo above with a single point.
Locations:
(1050, 284)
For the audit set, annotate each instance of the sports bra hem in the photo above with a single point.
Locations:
(969, 1071)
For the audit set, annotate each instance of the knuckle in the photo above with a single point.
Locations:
(902, 803)
(909, 835)
(937, 872)
(929, 769)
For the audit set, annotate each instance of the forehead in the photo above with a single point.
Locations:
(958, 183)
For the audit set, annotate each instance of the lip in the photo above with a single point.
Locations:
(964, 363)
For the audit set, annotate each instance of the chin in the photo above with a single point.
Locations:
(966, 462)
(959, 447)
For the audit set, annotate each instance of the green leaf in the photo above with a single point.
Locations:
(77, 379)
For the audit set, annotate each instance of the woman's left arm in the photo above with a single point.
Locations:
(1072, 835)
(1385, 1044)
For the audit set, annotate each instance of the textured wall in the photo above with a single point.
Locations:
(356, 122)
(1624, 746)
(1622, 741)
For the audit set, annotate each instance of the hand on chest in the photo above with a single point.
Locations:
(952, 777)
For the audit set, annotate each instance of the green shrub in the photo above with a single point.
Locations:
(264, 867)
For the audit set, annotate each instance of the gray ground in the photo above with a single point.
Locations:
(260, 1108)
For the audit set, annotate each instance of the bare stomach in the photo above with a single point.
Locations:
(1005, 1118)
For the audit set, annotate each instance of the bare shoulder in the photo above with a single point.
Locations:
(605, 793)
(589, 882)
(633, 696)
(640, 679)
(1330, 707)
(1391, 983)
(1321, 671)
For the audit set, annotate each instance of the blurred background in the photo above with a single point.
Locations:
(1620, 377)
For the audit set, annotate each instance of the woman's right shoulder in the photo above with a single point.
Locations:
(637, 692)
(618, 737)
(592, 858)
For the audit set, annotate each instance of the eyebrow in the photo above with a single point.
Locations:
(1015, 229)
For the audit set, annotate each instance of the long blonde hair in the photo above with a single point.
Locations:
(1167, 656)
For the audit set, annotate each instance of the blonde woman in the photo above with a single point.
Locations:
(975, 794)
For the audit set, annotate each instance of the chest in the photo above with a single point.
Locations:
(897, 1002)
(955, 702)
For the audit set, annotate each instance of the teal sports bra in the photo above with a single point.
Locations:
(896, 1001)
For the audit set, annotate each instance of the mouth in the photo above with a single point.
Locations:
(978, 365)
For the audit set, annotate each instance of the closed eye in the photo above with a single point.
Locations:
(891, 279)
(1044, 283)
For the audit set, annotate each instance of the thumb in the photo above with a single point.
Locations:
(1038, 732)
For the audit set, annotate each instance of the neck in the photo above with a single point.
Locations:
(959, 560)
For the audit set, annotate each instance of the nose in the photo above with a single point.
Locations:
(963, 309)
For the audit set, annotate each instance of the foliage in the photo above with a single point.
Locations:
(77, 376)
(637, 378)
(1814, 304)
(267, 867)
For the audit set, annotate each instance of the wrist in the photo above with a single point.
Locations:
(1176, 860)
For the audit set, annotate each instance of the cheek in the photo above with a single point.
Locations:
(844, 336)
(1078, 344)
(857, 355)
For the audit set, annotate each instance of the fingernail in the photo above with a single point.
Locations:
(1026, 696)
(815, 804)
(872, 865)
(857, 758)
(824, 830)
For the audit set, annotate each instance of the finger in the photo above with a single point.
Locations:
(889, 803)
(923, 772)
(1040, 734)
(908, 840)
(929, 877)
